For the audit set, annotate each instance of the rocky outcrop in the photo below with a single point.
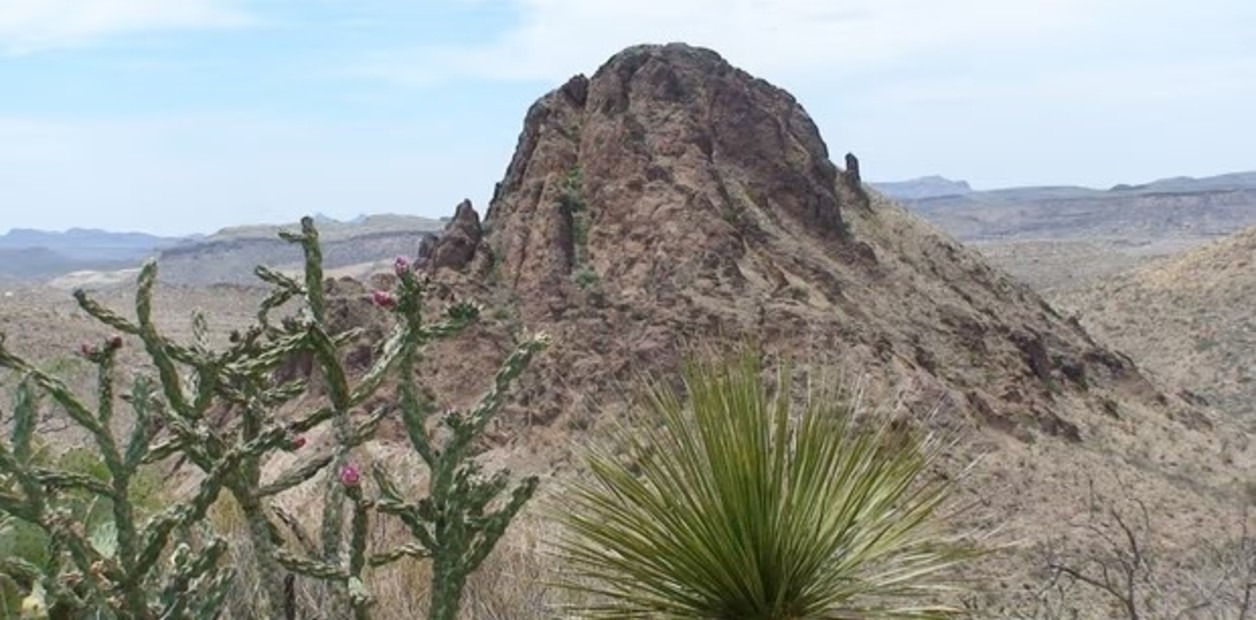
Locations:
(427, 246)
(660, 136)
(852, 168)
(457, 245)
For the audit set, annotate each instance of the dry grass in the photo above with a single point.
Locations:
(515, 583)
(1055, 266)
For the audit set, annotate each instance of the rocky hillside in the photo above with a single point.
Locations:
(672, 199)
(1189, 319)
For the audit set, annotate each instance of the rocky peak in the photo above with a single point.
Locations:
(457, 245)
(647, 166)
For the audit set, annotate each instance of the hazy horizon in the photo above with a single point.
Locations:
(185, 116)
(482, 207)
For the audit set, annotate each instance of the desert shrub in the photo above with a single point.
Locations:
(586, 278)
(732, 502)
(1115, 563)
(571, 191)
(170, 563)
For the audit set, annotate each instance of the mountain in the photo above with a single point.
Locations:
(230, 255)
(83, 257)
(1169, 208)
(40, 263)
(923, 187)
(1234, 180)
(85, 243)
(672, 199)
(331, 229)
(1060, 238)
(1188, 318)
(27, 254)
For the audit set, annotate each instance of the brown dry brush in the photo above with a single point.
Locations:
(1128, 570)
(170, 564)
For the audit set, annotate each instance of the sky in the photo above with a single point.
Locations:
(183, 116)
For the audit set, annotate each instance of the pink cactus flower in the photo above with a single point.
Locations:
(349, 476)
(384, 299)
(297, 442)
(115, 342)
(401, 265)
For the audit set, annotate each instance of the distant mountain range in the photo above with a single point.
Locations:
(229, 255)
(39, 255)
(923, 187)
(1167, 208)
(1178, 207)
(28, 254)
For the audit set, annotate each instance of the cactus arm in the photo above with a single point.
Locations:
(154, 344)
(73, 407)
(296, 476)
(24, 414)
(359, 523)
(308, 239)
(104, 315)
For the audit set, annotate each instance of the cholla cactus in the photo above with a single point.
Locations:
(453, 526)
(116, 565)
(168, 565)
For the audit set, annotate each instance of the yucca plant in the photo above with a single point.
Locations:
(730, 502)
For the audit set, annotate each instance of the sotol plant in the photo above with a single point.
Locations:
(168, 565)
(730, 502)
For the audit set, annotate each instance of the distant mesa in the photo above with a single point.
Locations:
(28, 254)
(923, 187)
(100, 258)
(1167, 208)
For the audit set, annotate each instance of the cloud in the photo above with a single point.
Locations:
(553, 39)
(1195, 80)
(28, 26)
